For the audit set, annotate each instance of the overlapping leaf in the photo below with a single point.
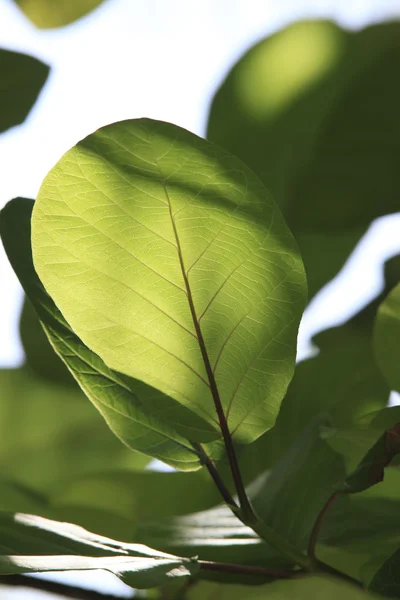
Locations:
(116, 398)
(56, 13)
(170, 260)
(31, 544)
(22, 77)
(313, 111)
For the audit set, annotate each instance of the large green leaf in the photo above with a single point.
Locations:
(387, 338)
(128, 406)
(22, 77)
(31, 544)
(170, 260)
(56, 13)
(313, 111)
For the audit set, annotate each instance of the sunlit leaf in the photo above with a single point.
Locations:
(170, 260)
(56, 13)
(22, 77)
(313, 111)
(31, 544)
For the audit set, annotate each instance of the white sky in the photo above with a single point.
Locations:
(162, 59)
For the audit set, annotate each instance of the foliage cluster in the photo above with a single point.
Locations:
(165, 284)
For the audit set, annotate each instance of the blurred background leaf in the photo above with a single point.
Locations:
(56, 13)
(310, 588)
(387, 338)
(313, 111)
(50, 433)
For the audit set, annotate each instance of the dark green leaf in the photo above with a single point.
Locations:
(290, 497)
(22, 77)
(313, 111)
(387, 580)
(170, 260)
(31, 544)
(56, 13)
(387, 338)
(358, 529)
(39, 354)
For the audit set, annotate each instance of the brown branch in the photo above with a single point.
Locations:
(317, 525)
(206, 565)
(53, 587)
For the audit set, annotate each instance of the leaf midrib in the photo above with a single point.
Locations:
(200, 339)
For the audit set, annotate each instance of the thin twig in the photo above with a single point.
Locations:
(53, 587)
(317, 525)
